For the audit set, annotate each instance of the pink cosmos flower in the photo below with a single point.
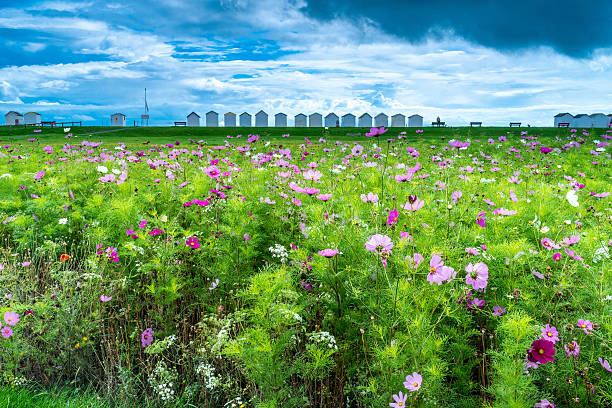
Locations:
(585, 325)
(477, 276)
(379, 243)
(544, 404)
(400, 400)
(105, 298)
(328, 253)
(556, 256)
(39, 175)
(7, 332)
(370, 198)
(572, 254)
(416, 260)
(146, 339)
(312, 175)
(541, 351)
(413, 382)
(550, 333)
(498, 310)
(416, 205)
(605, 364)
(324, 197)
(11, 318)
(549, 244)
(572, 349)
(193, 242)
(439, 273)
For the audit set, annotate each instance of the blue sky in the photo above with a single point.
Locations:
(475, 60)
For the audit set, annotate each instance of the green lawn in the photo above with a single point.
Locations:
(211, 135)
(21, 397)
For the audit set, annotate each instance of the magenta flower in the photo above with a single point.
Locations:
(477, 276)
(605, 364)
(549, 244)
(146, 339)
(498, 310)
(379, 243)
(7, 332)
(544, 404)
(413, 382)
(550, 333)
(39, 175)
(438, 273)
(541, 351)
(400, 400)
(556, 256)
(105, 298)
(11, 318)
(392, 217)
(328, 253)
(585, 325)
(193, 242)
(572, 349)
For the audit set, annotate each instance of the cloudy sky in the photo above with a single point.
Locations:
(493, 61)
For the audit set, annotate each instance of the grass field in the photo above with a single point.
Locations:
(458, 267)
(219, 134)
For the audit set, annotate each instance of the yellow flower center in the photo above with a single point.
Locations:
(416, 384)
(549, 334)
(400, 404)
(541, 351)
(433, 269)
(583, 326)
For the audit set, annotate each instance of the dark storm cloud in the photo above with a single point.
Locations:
(571, 27)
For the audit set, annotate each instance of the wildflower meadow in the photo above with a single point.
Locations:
(392, 268)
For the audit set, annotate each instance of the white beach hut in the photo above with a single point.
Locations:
(348, 120)
(381, 120)
(415, 121)
(563, 118)
(229, 119)
(315, 120)
(212, 119)
(331, 120)
(365, 120)
(599, 120)
(280, 120)
(117, 119)
(261, 119)
(13, 118)
(245, 119)
(300, 120)
(581, 120)
(398, 120)
(31, 118)
(193, 119)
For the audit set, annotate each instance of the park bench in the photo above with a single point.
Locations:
(479, 124)
(513, 124)
(438, 124)
(563, 124)
(180, 123)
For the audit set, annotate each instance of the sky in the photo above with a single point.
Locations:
(493, 61)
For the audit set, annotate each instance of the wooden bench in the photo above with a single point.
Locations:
(513, 124)
(479, 124)
(180, 123)
(563, 124)
(52, 124)
(438, 124)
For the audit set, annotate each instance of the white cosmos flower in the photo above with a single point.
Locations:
(116, 171)
(102, 169)
(63, 221)
(572, 198)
